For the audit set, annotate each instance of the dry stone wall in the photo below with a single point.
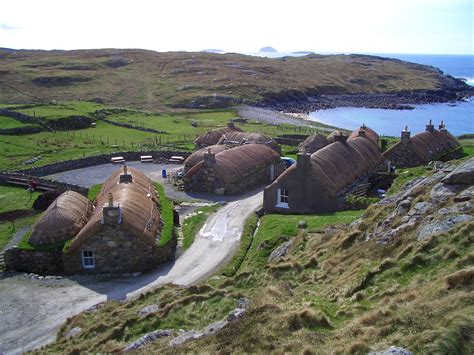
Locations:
(38, 262)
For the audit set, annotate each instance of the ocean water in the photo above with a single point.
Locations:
(459, 118)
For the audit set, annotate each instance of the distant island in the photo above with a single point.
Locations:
(211, 50)
(268, 50)
(303, 52)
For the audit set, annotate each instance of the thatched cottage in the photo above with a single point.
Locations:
(365, 132)
(235, 170)
(62, 220)
(320, 182)
(212, 137)
(123, 233)
(235, 139)
(331, 137)
(424, 147)
(313, 143)
(198, 155)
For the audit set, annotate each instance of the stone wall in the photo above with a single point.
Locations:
(116, 251)
(402, 156)
(18, 131)
(291, 139)
(159, 157)
(38, 262)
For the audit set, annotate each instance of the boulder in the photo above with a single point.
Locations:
(393, 350)
(74, 332)
(185, 336)
(463, 174)
(148, 309)
(465, 195)
(281, 251)
(148, 338)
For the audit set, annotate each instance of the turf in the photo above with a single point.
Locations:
(16, 198)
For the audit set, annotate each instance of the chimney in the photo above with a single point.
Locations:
(442, 127)
(125, 178)
(430, 127)
(209, 158)
(340, 137)
(230, 124)
(362, 133)
(303, 161)
(405, 137)
(111, 214)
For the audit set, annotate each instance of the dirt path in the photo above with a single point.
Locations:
(32, 310)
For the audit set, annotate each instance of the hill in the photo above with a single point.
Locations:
(173, 80)
(402, 275)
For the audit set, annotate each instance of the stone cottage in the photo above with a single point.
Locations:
(320, 182)
(424, 147)
(212, 137)
(62, 220)
(235, 139)
(235, 170)
(313, 143)
(123, 233)
(198, 155)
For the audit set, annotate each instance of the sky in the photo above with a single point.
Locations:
(362, 26)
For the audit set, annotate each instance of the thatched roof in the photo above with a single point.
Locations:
(62, 220)
(240, 161)
(313, 143)
(241, 138)
(368, 132)
(198, 155)
(330, 136)
(213, 136)
(139, 210)
(429, 145)
(339, 165)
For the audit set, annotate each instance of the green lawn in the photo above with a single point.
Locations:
(63, 109)
(8, 122)
(166, 211)
(7, 230)
(16, 198)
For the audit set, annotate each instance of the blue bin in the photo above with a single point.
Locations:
(163, 173)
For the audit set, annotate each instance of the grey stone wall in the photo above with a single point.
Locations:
(38, 262)
(291, 139)
(402, 156)
(116, 251)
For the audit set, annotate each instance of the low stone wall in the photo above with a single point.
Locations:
(291, 139)
(57, 185)
(38, 262)
(18, 131)
(158, 156)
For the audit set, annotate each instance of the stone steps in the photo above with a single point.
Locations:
(180, 236)
(2, 261)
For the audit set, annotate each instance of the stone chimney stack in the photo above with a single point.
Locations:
(442, 128)
(111, 214)
(125, 177)
(362, 133)
(340, 137)
(209, 157)
(430, 127)
(405, 137)
(230, 124)
(303, 161)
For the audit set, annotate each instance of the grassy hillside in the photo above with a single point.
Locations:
(152, 80)
(342, 289)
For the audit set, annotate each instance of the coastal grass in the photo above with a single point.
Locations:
(193, 224)
(8, 122)
(8, 229)
(405, 175)
(166, 211)
(16, 198)
(94, 191)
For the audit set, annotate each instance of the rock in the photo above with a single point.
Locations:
(136, 274)
(441, 226)
(393, 350)
(74, 332)
(185, 336)
(148, 309)
(302, 224)
(148, 338)
(465, 195)
(403, 207)
(463, 174)
(214, 327)
(281, 251)
(243, 303)
(441, 193)
(235, 314)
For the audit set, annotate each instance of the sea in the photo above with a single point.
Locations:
(458, 117)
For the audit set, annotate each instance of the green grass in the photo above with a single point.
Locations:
(275, 229)
(61, 110)
(7, 231)
(166, 215)
(407, 174)
(8, 122)
(468, 147)
(94, 191)
(16, 198)
(25, 245)
(193, 224)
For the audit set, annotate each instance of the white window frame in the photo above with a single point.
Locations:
(281, 194)
(88, 260)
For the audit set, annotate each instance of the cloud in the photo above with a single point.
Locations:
(4, 26)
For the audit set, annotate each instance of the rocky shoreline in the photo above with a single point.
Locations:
(393, 101)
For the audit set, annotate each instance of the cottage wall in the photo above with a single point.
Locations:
(402, 156)
(117, 251)
(38, 262)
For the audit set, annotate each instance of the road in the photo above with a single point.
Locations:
(32, 310)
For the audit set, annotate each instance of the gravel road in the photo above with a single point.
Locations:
(32, 310)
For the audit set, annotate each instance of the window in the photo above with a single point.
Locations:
(282, 198)
(88, 261)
